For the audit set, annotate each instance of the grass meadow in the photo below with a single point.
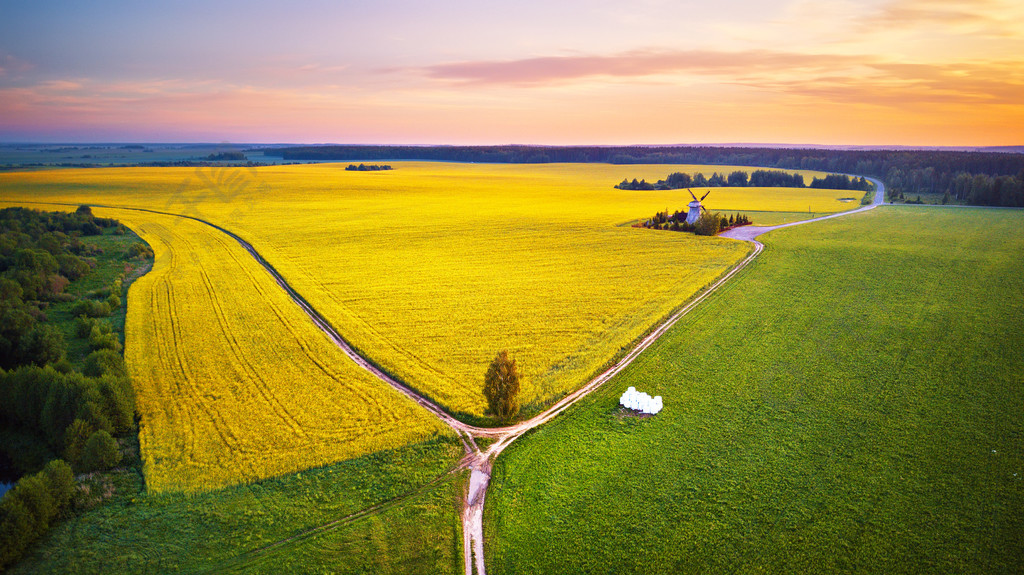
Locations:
(851, 402)
(432, 268)
(395, 511)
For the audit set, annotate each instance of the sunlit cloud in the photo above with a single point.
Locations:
(906, 85)
(560, 69)
(958, 13)
(847, 78)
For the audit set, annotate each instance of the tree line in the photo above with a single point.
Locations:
(226, 157)
(367, 168)
(739, 178)
(909, 171)
(55, 416)
(975, 190)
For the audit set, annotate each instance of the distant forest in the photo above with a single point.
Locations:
(738, 178)
(367, 168)
(979, 178)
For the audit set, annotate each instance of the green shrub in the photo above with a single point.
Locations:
(72, 266)
(91, 308)
(708, 224)
(83, 326)
(140, 250)
(104, 362)
(101, 452)
(102, 336)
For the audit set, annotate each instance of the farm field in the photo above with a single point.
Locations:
(298, 518)
(850, 402)
(233, 381)
(405, 263)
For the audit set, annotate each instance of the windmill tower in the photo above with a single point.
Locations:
(695, 208)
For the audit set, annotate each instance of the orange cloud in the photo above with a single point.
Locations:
(904, 85)
(899, 12)
(837, 78)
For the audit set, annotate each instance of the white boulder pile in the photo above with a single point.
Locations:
(638, 401)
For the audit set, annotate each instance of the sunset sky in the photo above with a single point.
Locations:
(910, 72)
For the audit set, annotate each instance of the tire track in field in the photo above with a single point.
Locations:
(243, 359)
(479, 462)
(239, 561)
(191, 388)
(368, 399)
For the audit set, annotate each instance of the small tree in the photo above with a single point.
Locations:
(708, 224)
(501, 386)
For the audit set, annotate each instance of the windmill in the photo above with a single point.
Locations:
(695, 207)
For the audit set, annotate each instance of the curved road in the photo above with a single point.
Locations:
(479, 462)
(750, 233)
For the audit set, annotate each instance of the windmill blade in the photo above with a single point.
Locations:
(705, 195)
(703, 208)
(691, 193)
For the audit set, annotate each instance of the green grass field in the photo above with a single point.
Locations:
(421, 534)
(851, 402)
(284, 521)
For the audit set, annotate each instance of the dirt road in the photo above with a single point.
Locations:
(750, 233)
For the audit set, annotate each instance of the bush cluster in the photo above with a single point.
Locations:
(27, 510)
(676, 222)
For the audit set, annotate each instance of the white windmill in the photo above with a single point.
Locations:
(695, 207)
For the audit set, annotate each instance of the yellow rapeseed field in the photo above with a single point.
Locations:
(234, 383)
(432, 268)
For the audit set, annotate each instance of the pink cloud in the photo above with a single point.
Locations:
(556, 69)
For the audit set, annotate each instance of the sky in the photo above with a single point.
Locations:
(836, 72)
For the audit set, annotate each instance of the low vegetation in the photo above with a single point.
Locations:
(850, 402)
